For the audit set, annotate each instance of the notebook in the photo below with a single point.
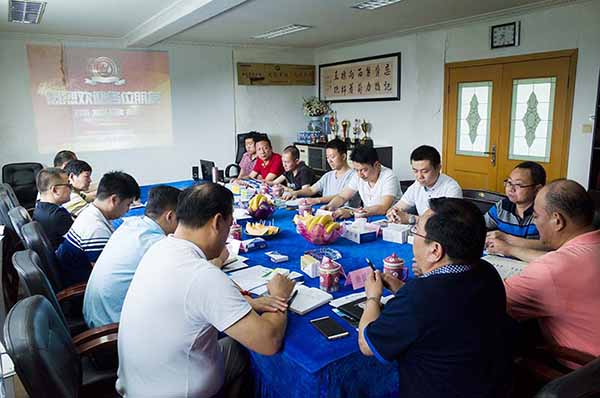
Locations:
(258, 276)
(308, 299)
(505, 266)
(355, 308)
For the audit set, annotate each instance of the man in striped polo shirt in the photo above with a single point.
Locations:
(510, 221)
(92, 228)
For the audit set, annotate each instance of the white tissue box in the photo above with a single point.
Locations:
(309, 265)
(360, 231)
(397, 233)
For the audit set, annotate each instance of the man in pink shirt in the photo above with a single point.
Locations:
(562, 288)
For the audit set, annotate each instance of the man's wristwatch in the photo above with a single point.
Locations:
(375, 299)
(412, 219)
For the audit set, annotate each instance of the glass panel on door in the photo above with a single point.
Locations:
(531, 119)
(473, 118)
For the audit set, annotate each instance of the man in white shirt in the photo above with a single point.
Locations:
(429, 183)
(377, 186)
(114, 270)
(178, 302)
(332, 182)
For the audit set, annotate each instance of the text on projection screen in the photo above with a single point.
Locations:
(90, 99)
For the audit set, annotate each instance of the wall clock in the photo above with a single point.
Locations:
(505, 35)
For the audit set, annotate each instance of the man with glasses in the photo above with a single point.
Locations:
(510, 221)
(447, 330)
(55, 190)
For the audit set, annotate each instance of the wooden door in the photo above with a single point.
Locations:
(501, 112)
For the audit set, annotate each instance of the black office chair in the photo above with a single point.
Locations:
(483, 199)
(8, 201)
(19, 217)
(67, 303)
(581, 383)
(48, 362)
(405, 184)
(233, 170)
(35, 238)
(21, 177)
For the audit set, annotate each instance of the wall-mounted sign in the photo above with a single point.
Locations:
(253, 74)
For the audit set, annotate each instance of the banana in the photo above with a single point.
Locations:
(331, 226)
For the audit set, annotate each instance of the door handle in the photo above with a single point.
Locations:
(493, 153)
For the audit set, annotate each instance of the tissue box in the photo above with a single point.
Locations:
(360, 233)
(249, 245)
(309, 265)
(397, 233)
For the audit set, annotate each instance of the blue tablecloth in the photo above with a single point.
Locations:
(308, 364)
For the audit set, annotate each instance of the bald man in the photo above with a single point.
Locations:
(560, 288)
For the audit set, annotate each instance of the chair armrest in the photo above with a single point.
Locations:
(103, 342)
(71, 291)
(95, 333)
(566, 354)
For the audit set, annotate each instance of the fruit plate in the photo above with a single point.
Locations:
(265, 235)
(269, 236)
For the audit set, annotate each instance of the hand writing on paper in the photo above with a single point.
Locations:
(497, 246)
(391, 283)
(374, 284)
(269, 304)
(342, 214)
(280, 286)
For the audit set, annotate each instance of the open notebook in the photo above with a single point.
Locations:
(505, 266)
(308, 299)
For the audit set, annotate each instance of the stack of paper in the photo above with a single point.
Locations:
(235, 261)
(505, 266)
(258, 276)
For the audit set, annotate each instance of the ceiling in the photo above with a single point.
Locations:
(142, 23)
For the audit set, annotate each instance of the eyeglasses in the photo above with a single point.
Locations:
(509, 184)
(413, 232)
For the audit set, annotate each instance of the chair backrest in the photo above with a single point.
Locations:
(241, 147)
(483, 199)
(21, 177)
(33, 280)
(41, 348)
(35, 238)
(583, 382)
(19, 217)
(404, 184)
(8, 201)
(6, 188)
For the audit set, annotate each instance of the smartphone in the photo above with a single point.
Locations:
(329, 328)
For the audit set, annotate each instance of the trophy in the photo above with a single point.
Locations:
(333, 126)
(345, 137)
(365, 140)
(356, 132)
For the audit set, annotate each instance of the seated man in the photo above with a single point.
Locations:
(249, 157)
(80, 178)
(513, 232)
(560, 288)
(92, 229)
(332, 182)
(63, 157)
(178, 302)
(297, 174)
(429, 183)
(376, 184)
(114, 270)
(268, 165)
(54, 188)
(447, 330)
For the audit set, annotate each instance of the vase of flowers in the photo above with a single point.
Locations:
(315, 109)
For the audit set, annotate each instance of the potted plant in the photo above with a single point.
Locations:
(315, 109)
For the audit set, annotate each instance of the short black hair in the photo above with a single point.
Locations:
(292, 150)
(64, 156)
(198, 204)
(77, 167)
(161, 199)
(364, 154)
(252, 135)
(260, 138)
(538, 174)
(426, 152)
(338, 145)
(48, 177)
(570, 199)
(459, 226)
(117, 183)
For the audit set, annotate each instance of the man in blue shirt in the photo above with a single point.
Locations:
(447, 330)
(92, 228)
(55, 190)
(114, 270)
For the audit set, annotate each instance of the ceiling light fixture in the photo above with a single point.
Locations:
(374, 4)
(284, 30)
(25, 11)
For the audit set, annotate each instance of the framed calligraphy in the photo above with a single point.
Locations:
(364, 79)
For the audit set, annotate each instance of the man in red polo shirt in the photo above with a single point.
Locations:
(268, 165)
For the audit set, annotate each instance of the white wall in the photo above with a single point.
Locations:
(417, 117)
(276, 110)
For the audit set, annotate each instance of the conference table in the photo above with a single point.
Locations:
(308, 364)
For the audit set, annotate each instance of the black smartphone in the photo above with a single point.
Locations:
(329, 328)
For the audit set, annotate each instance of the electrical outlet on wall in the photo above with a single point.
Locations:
(586, 128)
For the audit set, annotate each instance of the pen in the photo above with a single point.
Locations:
(370, 264)
(291, 300)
